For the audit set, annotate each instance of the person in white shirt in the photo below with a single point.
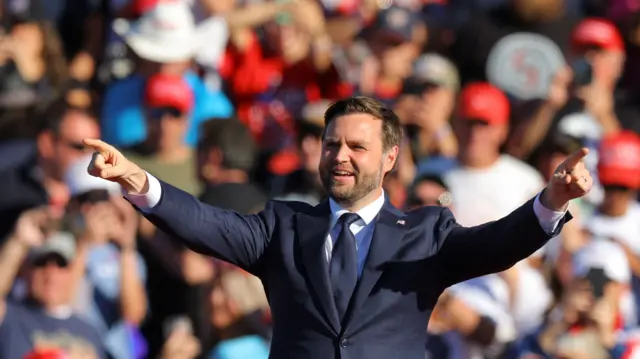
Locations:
(488, 185)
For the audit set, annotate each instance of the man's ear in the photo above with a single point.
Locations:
(45, 145)
(389, 159)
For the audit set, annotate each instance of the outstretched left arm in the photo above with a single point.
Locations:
(469, 252)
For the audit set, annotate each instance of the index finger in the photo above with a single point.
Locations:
(97, 145)
(572, 161)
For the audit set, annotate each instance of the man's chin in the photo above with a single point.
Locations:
(341, 193)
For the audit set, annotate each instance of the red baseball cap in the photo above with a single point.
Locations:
(164, 90)
(597, 32)
(482, 101)
(619, 160)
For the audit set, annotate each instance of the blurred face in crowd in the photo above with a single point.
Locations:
(290, 41)
(224, 312)
(29, 35)
(50, 281)
(607, 66)
(167, 128)
(616, 200)
(149, 68)
(354, 161)
(426, 193)
(311, 147)
(479, 141)
(583, 293)
(396, 56)
(65, 147)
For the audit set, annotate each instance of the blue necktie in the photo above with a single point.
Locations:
(344, 265)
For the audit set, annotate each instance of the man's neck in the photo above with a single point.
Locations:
(361, 203)
(174, 154)
(480, 163)
(617, 209)
(45, 174)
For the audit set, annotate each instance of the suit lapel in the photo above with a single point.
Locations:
(386, 239)
(311, 231)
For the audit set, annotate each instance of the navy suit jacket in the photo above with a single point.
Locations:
(413, 257)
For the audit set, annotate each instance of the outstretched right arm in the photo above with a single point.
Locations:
(238, 239)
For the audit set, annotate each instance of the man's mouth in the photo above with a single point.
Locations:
(342, 173)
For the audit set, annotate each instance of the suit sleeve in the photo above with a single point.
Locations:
(241, 240)
(469, 252)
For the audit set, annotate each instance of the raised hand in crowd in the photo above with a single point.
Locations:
(599, 102)
(33, 226)
(558, 93)
(124, 234)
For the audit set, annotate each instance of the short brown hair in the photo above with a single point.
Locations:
(391, 127)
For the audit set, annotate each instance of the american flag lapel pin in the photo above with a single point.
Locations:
(400, 222)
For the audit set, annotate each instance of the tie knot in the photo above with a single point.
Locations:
(349, 218)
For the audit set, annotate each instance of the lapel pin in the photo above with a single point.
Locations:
(400, 222)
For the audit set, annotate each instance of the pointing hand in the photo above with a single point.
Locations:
(109, 164)
(570, 180)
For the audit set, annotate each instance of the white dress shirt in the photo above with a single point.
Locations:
(362, 228)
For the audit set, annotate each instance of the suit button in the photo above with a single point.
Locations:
(344, 343)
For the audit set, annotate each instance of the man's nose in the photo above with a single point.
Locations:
(342, 154)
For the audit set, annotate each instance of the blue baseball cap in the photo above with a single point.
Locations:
(397, 23)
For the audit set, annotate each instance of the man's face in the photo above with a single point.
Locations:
(607, 66)
(395, 55)
(478, 139)
(50, 281)
(167, 127)
(426, 193)
(67, 144)
(353, 160)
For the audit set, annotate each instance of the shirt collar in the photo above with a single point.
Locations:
(366, 213)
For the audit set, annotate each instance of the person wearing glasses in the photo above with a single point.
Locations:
(32, 170)
(168, 104)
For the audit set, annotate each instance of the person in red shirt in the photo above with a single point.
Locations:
(274, 76)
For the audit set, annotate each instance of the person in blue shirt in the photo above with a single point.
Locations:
(163, 40)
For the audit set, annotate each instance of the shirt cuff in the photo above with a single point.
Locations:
(548, 219)
(145, 202)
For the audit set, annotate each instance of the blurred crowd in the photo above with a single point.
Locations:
(225, 99)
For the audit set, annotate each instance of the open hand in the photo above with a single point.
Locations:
(110, 164)
(570, 180)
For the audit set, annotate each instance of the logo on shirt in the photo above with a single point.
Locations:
(75, 347)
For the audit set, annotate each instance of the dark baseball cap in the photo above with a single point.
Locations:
(397, 23)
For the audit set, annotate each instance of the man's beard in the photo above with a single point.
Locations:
(364, 184)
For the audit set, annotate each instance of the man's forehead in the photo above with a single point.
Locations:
(361, 121)
(75, 121)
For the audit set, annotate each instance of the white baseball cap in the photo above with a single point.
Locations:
(165, 33)
(79, 181)
(602, 254)
(60, 243)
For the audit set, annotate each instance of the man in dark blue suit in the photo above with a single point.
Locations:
(353, 277)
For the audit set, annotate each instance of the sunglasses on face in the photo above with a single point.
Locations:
(55, 259)
(161, 112)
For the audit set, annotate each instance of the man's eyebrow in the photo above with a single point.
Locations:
(358, 143)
